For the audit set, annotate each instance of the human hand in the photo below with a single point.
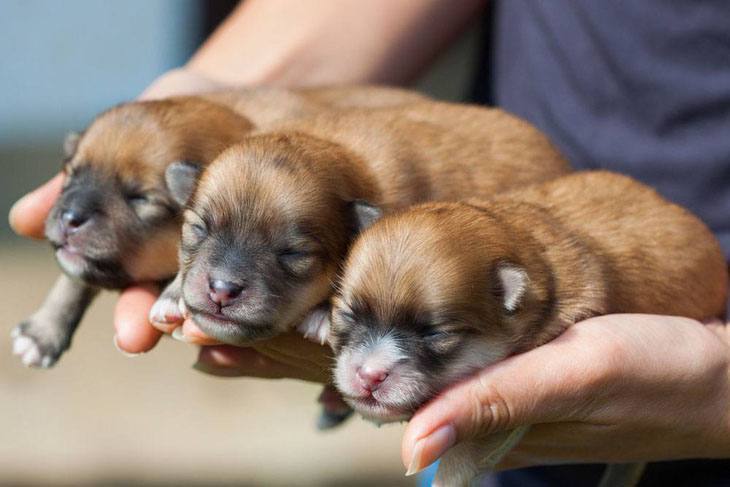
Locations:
(616, 388)
(286, 356)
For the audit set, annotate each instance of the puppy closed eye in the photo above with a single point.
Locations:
(296, 262)
(147, 207)
(194, 229)
(440, 340)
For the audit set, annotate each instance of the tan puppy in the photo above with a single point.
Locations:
(265, 105)
(430, 295)
(116, 223)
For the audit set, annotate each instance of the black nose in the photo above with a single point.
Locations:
(222, 292)
(73, 219)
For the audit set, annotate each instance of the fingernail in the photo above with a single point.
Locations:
(124, 352)
(178, 335)
(430, 448)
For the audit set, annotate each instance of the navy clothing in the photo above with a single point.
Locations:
(685, 473)
(638, 87)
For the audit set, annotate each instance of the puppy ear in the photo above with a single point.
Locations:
(180, 178)
(70, 144)
(512, 286)
(364, 214)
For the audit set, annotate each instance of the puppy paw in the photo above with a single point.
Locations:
(166, 311)
(335, 410)
(328, 420)
(316, 326)
(33, 348)
(183, 309)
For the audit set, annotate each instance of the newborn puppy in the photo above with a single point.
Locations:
(433, 294)
(270, 221)
(116, 223)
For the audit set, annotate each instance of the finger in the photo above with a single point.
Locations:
(516, 459)
(166, 328)
(229, 361)
(293, 350)
(28, 215)
(572, 442)
(134, 333)
(189, 332)
(292, 346)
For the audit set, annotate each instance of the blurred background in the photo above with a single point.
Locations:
(100, 418)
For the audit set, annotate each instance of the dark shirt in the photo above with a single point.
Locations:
(638, 87)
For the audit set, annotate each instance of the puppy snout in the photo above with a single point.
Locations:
(222, 292)
(370, 377)
(73, 219)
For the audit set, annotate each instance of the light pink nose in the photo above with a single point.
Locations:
(223, 292)
(371, 377)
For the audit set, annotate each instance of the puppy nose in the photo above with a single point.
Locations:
(73, 219)
(222, 292)
(371, 377)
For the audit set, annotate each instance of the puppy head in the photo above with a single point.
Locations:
(115, 221)
(427, 297)
(264, 234)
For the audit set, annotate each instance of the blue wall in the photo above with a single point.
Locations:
(63, 61)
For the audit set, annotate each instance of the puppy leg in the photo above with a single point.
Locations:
(316, 325)
(461, 465)
(166, 310)
(458, 466)
(42, 338)
(335, 410)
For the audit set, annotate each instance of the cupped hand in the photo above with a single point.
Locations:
(285, 356)
(616, 388)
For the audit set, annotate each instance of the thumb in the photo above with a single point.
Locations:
(28, 215)
(535, 387)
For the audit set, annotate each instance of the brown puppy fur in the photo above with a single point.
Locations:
(265, 105)
(116, 222)
(271, 219)
(437, 292)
